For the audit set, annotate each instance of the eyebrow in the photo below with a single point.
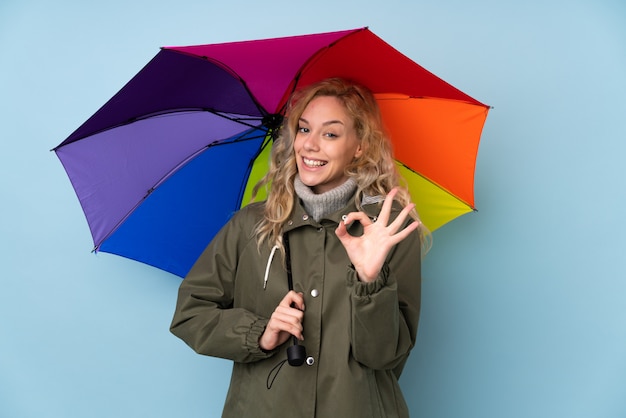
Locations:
(330, 122)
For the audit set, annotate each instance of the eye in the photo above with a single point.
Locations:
(330, 135)
(302, 129)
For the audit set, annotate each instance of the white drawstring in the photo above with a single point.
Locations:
(269, 263)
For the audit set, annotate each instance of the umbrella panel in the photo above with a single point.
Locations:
(260, 167)
(435, 206)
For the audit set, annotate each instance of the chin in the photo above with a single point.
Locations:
(309, 182)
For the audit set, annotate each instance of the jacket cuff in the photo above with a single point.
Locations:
(252, 339)
(363, 289)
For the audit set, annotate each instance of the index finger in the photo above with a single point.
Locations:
(293, 299)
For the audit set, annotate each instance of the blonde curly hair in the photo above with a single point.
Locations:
(374, 171)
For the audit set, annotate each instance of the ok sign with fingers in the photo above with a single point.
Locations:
(369, 251)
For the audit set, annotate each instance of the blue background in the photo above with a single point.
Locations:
(523, 303)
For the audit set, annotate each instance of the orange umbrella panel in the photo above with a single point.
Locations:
(437, 138)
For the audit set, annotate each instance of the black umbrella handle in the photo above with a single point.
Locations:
(296, 354)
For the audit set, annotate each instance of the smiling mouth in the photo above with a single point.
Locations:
(313, 163)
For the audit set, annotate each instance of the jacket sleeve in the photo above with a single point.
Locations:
(205, 318)
(385, 312)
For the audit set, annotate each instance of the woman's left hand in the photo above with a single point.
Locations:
(369, 251)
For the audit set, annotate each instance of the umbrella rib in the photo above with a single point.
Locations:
(169, 112)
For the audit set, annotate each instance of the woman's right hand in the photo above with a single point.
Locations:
(286, 320)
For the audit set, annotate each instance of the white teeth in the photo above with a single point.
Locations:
(313, 163)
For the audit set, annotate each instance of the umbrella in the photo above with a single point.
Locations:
(161, 166)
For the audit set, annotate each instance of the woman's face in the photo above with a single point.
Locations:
(326, 142)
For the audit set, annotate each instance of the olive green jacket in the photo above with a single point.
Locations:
(357, 335)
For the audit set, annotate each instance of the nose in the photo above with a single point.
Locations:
(311, 143)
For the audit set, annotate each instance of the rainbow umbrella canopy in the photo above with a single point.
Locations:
(163, 165)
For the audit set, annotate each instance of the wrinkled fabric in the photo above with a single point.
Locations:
(358, 335)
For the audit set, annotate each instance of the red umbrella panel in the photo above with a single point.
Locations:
(165, 162)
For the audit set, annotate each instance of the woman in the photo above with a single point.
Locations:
(354, 250)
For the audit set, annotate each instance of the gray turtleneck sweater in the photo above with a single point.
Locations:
(318, 205)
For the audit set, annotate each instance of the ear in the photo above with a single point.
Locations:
(359, 151)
